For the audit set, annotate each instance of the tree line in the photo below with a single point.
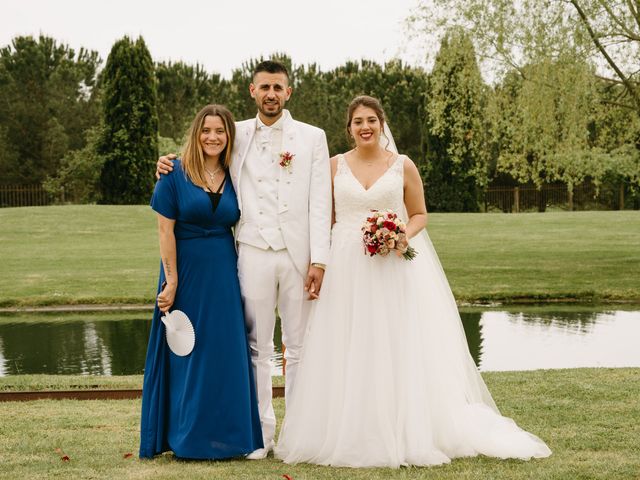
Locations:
(95, 131)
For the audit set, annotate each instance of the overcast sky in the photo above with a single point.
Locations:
(222, 34)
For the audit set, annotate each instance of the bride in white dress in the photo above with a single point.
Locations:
(386, 377)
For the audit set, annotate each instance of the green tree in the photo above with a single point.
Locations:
(310, 101)
(511, 34)
(77, 179)
(617, 132)
(614, 30)
(324, 97)
(47, 100)
(320, 98)
(129, 142)
(567, 70)
(546, 120)
(182, 91)
(456, 133)
(554, 124)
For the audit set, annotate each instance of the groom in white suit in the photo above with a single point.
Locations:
(284, 231)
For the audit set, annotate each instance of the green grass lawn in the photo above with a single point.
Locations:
(540, 256)
(590, 418)
(78, 254)
(109, 254)
(33, 383)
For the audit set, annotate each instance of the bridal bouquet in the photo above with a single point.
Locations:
(383, 232)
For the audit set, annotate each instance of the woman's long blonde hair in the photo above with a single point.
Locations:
(192, 156)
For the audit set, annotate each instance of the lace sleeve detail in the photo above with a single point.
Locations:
(398, 165)
(341, 167)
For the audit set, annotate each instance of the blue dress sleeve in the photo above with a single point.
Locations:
(165, 194)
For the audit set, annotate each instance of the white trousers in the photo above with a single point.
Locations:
(269, 279)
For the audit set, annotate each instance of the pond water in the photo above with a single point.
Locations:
(499, 340)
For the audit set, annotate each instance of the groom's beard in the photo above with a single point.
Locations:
(271, 113)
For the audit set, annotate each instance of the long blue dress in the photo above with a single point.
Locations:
(203, 405)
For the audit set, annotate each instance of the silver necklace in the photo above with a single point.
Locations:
(367, 162)
(212, 175)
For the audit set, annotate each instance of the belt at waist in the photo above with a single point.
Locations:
(185, 231)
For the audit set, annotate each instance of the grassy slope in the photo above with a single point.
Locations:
(78, 254)
(551, 255)
(109, 254)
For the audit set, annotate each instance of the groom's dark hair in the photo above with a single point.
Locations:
(270, 66)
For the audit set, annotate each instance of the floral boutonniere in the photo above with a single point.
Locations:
(286, 159)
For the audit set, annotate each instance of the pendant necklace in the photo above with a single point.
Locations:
(212, 174)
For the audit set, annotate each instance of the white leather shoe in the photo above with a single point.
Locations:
(260, 453)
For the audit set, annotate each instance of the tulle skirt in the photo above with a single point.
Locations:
(386, 377)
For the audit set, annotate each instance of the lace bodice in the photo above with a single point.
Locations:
(353, 203)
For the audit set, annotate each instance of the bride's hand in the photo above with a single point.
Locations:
(313, 282)
(402, 244)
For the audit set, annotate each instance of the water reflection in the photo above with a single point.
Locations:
(473, 332)
(79, 347)
(521, 341)
(498, 340)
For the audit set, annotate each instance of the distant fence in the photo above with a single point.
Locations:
(556, 197)
(505, 199)
(24, 196)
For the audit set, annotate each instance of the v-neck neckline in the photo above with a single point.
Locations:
(222, 195)
(223, 185)
(344, 159)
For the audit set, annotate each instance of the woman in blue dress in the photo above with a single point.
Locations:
(202, 405)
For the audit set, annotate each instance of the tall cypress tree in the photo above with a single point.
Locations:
(129, 141)
(456, 134)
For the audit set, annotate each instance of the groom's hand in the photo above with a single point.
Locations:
(314, 282)
(164, 165)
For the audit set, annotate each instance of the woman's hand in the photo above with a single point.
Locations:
(402, 245)
(166, 297)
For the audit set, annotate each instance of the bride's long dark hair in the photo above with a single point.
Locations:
(369, 102)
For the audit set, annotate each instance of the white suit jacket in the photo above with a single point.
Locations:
(304, 191)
